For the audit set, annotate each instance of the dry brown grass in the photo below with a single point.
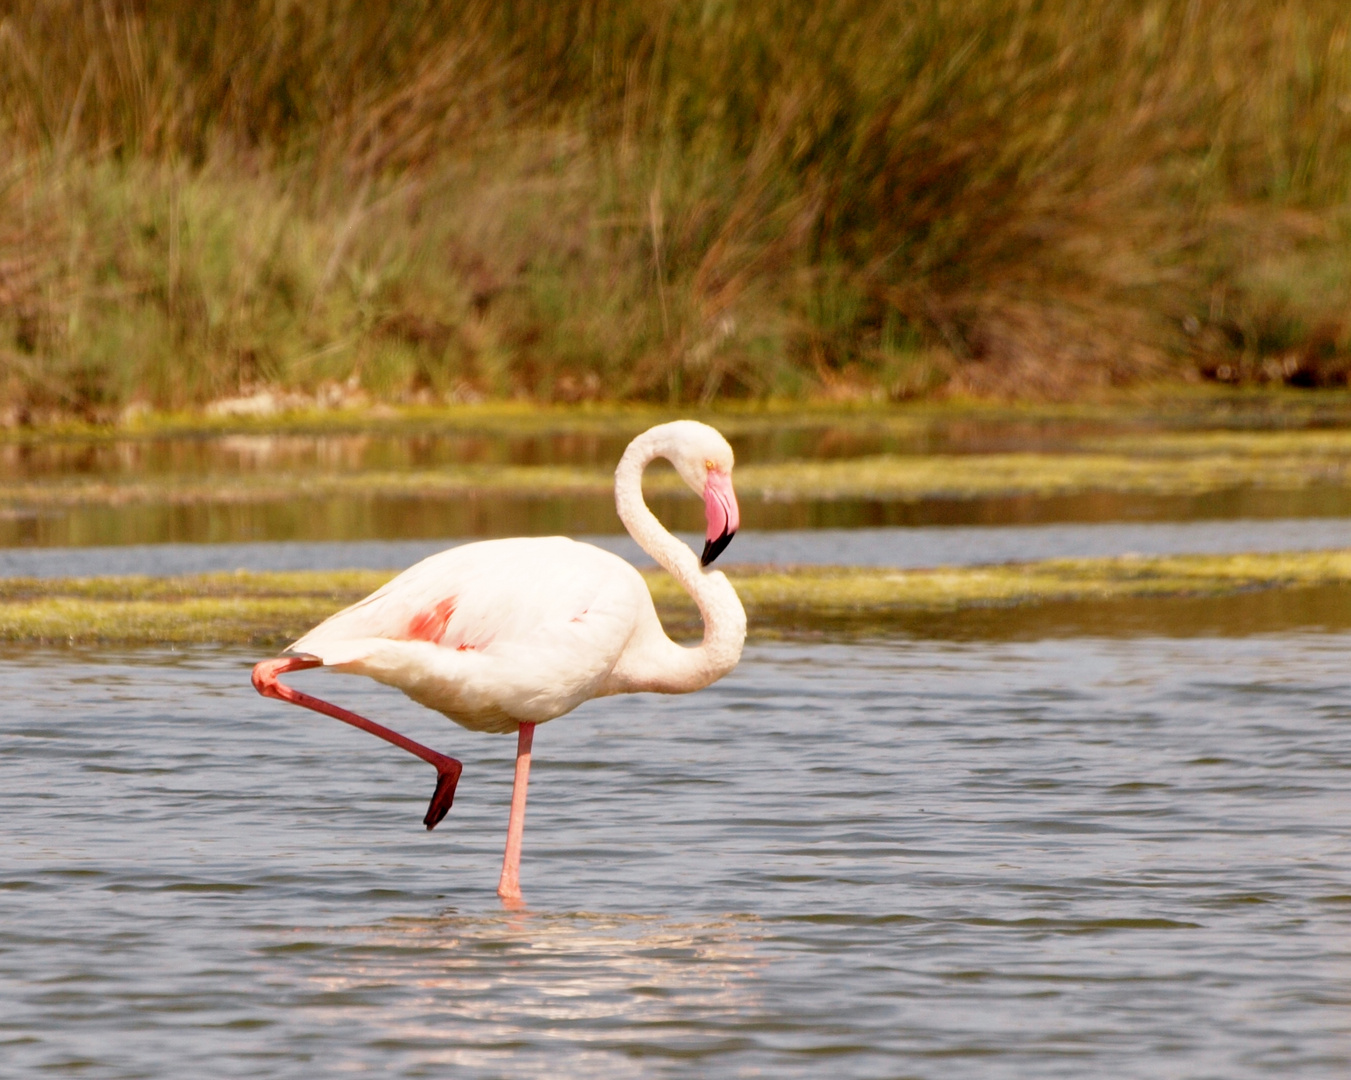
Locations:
(421, 201)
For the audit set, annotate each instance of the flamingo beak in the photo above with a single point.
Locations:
(721, 511)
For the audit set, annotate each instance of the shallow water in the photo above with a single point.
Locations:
(364, 517)
(1070, 858)
(900, 547)
(576, 440)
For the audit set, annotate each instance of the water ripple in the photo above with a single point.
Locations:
(1049, 858)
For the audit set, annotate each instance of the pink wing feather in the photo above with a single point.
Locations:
(477, 594)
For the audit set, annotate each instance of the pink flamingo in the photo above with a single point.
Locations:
(502, 635)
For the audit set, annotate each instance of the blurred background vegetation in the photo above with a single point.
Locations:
(337, 201)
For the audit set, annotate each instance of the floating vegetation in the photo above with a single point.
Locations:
(895, 477)
(1198, 415)
(270, 609)
(178, 489)
(1318, 442)
(914, 478)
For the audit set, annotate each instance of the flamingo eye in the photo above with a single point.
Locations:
(709, 465)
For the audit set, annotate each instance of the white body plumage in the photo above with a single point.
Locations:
(504, 632)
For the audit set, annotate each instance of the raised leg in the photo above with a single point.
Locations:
(267, 682)
(509, 888)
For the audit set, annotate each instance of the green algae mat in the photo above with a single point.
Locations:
(270, 609)
(1168, 464)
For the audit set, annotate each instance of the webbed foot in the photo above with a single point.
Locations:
(444, 795)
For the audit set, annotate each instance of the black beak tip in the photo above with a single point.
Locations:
(714, 548)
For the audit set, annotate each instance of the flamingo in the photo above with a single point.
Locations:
(503, 635)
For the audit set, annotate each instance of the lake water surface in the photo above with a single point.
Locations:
(1034, 845)
(898, 547)
(1046, 858)
(156, 516)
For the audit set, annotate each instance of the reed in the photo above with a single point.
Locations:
(415, 201)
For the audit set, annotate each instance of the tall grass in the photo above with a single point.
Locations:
(675, 201)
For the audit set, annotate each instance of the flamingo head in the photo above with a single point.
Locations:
(704, 461)
(721, 513)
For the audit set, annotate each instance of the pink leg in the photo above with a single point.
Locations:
(266, 682)
(509, 888)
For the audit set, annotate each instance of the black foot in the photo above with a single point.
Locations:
(444, 794)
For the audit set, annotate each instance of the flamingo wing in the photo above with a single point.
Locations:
(493, 633)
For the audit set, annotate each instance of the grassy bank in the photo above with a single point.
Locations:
(271, 205)
(270, 609)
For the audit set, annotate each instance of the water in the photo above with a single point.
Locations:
(366, 517)
(598, 438)
(574, 439)
(901, 547)
(157, 513)
(1050, 858)
(1046, 842)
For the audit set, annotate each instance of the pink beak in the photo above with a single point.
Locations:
(723, 516)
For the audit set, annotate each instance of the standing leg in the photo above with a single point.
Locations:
(266, 681)
(509, 888)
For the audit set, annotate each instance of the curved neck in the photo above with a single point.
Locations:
(721, 610)
(674, 556)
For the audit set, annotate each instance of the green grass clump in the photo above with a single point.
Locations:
(912, 478)
(353, 202)
(871, 594)
(270, 609)
(202, 608)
